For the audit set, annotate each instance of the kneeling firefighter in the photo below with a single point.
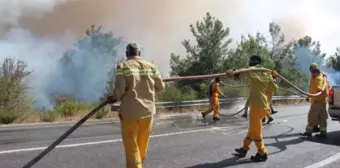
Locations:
(259, 108)
(213, 94)
(317, 114)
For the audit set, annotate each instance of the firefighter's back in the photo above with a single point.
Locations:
(141, 80)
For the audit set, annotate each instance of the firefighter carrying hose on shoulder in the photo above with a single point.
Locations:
(135, 86)
(270, 90)
(270, 93)
(213, 94)
(317, 114)
(259, 108)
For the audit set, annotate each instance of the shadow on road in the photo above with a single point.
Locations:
(233, 161)
(333, 138)
(283, 145)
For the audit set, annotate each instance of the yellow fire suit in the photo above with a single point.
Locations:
(270, 91)
(215, 92)
(259, 108)
(317, 114)
(135, 86)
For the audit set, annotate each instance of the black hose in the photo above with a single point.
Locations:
(65, 135)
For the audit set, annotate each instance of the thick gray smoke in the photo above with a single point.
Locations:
(39, 31)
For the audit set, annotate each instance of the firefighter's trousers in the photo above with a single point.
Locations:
(215, 106)
(136, 134)
(317, 115)
(255, 129)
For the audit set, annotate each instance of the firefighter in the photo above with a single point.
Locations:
(270, 91)
(314, 65)
(213, 94)
(259, 107)
(317, 114)
(270, 95)
(135, 86)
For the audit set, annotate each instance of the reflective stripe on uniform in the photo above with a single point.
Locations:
(309, 129)
(138, 72)
(119, 72)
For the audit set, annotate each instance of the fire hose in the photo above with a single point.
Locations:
(103, 104)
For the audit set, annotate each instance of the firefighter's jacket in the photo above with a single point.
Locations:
(259, 83)
(316, 85)
(271, 90)
(214, 90)
(135, 86)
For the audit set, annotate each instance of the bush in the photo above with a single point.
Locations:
(48, 116)
(102, 113)
(67, 109)
(172, 93)
(7, 117)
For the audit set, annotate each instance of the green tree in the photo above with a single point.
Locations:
(85, 67)
(334, 60)
(284, 56)
(207, 55)
(309, 51)
(13, 97)
(250, 45)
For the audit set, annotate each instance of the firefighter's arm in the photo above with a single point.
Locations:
(159, 84)
(218, 90)
(120, 84)
(274, 81)
(231, 72)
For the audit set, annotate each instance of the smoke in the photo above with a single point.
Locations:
(39, 31)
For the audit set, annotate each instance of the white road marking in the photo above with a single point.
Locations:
(102, 142)
(115, 140)
(325, 162)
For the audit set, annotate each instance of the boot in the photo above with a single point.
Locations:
(216, 119)
(273, 111)
(259, 158)
(270, 120)
(306, 134)
(241, 152)
(203, 115)
(316, 129)
(264, 120)
(245, 115)
(321, 135)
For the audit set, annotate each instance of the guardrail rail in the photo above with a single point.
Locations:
(203, 102)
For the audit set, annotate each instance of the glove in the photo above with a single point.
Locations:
(307, 99)
(230, 72)
(274, 73)
(111, 100)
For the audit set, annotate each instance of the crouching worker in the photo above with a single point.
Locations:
(259, 108)
(213, 94)
(317, 113)
(135, 86)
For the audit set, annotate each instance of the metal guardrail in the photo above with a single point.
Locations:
(203, 102)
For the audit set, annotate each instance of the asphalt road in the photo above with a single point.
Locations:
(183, 142)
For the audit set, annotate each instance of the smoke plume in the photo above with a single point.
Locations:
(39, 31)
